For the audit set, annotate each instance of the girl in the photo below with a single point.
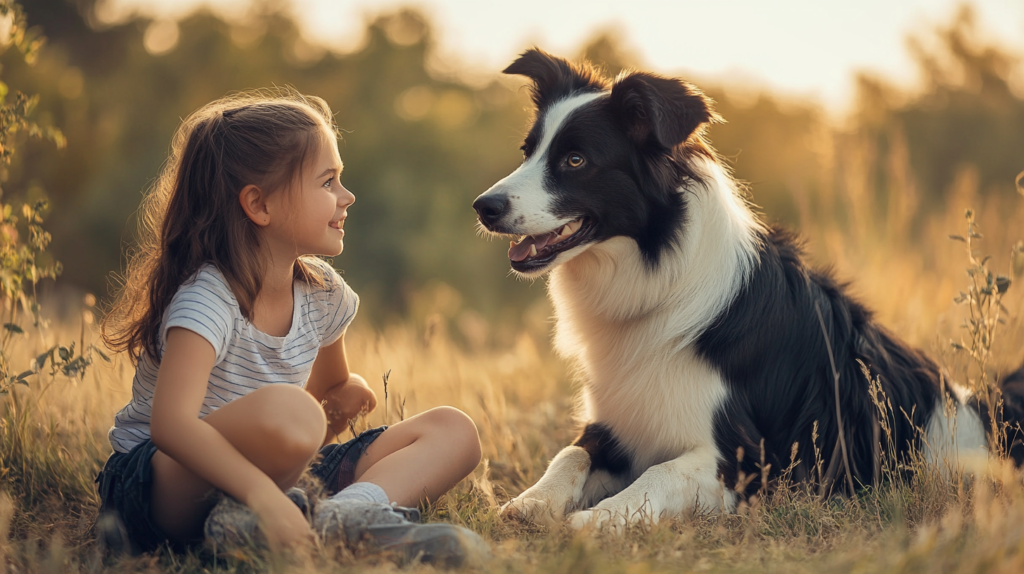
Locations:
(237, 335)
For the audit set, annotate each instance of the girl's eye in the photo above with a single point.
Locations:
(575, 160)
(329, 181)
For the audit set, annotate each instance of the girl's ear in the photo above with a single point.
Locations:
(254, 203)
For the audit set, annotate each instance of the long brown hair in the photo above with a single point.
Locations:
(191, 215)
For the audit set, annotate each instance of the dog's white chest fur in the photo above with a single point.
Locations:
(658, 401)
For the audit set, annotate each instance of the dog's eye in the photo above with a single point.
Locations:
(574, 160)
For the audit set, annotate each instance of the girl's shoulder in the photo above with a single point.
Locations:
(208, 283)
(205, 305)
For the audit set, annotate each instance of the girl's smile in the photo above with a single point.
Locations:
(339, 225)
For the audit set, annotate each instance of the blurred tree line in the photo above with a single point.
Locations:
(419, 144)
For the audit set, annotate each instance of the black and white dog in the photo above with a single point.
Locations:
(695, 327)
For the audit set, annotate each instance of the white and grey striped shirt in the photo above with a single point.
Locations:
(247, 358)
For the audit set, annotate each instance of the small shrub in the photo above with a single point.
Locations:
(984, 301)
(23, 240)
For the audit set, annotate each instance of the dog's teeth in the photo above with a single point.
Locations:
(574, 225)
(565, 231)
(533, 251)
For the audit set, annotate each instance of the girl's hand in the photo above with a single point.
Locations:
(343, 393)
(357, 395)
(345, 402)
(282, 522)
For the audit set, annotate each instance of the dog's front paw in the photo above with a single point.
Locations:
(533, 510)
(598, 519)
(612, 517)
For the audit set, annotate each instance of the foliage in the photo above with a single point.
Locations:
(23, 247)
(986, 311)
(18, 268)
(18, 258)
(14, 116)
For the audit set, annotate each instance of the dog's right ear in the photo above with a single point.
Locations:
(554, 78)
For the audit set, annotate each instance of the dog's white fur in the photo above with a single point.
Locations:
(955, 434)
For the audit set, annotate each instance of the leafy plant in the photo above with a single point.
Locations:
(984, 295)
(23, 240)
(14, 115)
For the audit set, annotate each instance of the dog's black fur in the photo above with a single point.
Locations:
(771, 347)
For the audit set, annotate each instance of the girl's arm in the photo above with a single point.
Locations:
(177, 430)
(342, 393)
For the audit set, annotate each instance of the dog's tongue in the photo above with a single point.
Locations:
(521, 250)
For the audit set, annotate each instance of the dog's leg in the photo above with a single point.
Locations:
(560, 488)
(600, 485)
(678, 486)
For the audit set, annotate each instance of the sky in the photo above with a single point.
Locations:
(809, 49)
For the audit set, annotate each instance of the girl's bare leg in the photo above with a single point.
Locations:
(279, 428)
(422, 457)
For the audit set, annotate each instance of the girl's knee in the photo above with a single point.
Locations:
(459, 431)
(291, 420)
(451, 419)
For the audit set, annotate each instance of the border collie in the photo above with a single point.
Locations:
(711, 356)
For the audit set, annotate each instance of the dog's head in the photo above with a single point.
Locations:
(601, 160)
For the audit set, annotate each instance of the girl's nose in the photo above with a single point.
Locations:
(346, 197)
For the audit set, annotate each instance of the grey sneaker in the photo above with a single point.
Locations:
(372, 528)
(111, 535)
(232, 526)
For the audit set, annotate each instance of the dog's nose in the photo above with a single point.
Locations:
(490, 208)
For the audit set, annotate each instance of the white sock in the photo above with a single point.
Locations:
(363, 492)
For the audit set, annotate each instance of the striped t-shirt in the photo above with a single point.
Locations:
(247, 358)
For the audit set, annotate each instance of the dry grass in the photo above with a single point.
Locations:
(54, 436)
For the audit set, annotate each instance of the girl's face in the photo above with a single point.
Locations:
(318, 207)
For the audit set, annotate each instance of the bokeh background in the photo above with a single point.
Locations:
(881, 120)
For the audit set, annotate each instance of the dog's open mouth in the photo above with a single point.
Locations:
(535, 251)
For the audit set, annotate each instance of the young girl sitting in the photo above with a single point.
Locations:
(237, 335)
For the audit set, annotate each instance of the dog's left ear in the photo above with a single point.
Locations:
(669, 111)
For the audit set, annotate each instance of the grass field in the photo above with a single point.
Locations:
(54, 435)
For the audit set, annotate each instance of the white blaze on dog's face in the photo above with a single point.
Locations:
(531, 208)
(600, 161)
